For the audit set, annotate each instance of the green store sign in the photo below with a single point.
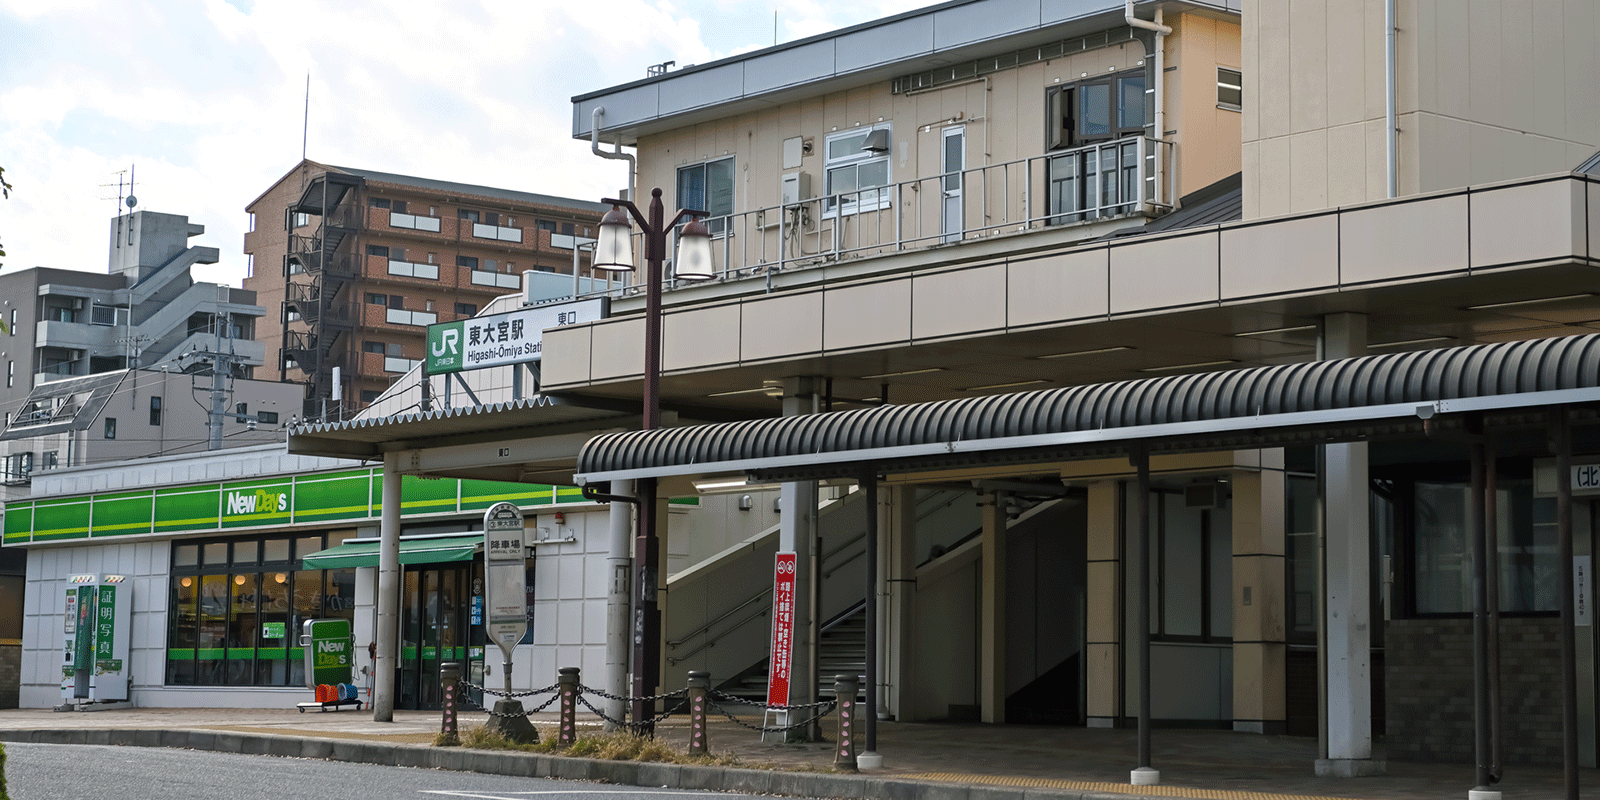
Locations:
(346, 496)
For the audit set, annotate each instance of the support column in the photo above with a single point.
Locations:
(992, 611)
(388, 592)
(1260, 648)
(900, 592)
(619, 524)
(1346, 642)
(1103, 626)
(797, 534)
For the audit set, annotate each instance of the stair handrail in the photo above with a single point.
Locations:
(760, 612)
(724, 615)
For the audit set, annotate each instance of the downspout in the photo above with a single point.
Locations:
(1388, 109)
(1161, 32)
(595, 116)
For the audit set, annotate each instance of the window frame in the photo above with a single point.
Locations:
(717, 220)
(833, 203)
(1237, 87)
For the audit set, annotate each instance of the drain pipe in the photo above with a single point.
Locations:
(1161, 32)
(595, 116)
(1388, 109)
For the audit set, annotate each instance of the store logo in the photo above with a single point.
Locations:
(261, 501)
(449, 342)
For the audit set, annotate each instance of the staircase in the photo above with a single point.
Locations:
(841, 652)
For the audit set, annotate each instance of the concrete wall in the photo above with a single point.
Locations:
(1485, 91)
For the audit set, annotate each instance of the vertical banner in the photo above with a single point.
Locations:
(1583, 612)
(782, 629)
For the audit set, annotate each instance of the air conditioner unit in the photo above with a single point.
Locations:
(795, 188)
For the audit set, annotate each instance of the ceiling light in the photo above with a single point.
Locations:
(1535, 301)
(1277, 330)
(903, 372)
(1003, 385)
(1195, 365)
(1086, 352)
(1424, 340)
(721, 485)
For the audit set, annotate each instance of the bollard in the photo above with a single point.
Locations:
(567, 685)
(699, 688)
(846, 687)
(450, 687)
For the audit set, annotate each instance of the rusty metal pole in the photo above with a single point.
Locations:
(846, 688)
(567, 683)
(699, 688)
(450, 689)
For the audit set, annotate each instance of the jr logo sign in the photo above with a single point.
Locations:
(444, 348)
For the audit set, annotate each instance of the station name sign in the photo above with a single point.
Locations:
(496, 340)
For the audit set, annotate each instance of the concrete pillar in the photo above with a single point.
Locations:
(899, 602)
(992, 611)
(1346, 642)
(797, 533)
(1103, 629)
(619, 616)
(1259, 629)
(388, 592)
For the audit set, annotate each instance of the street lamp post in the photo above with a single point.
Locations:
(614, 253)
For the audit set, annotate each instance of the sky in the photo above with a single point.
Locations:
(203, 101)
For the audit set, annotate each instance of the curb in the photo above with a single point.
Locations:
(540, 765)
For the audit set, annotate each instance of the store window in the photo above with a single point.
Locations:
(237, 605)
(1441, 548)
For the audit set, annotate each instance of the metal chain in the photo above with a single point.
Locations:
(601, 714)
(609, 696)
(509, 695)
(725, 697)
(776, 728)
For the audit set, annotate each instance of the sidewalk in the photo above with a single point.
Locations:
(922, 761)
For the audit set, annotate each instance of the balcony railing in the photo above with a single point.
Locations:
(1122, 178)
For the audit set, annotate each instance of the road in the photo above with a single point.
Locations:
(95, 772)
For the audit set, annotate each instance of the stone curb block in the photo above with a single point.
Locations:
(313, 748)
(996, 793)
(201, 740)
(571, 769)
(659, 775)
(229, 742)
(747, 781)
(123, 737)
(622, 773)
(696, 777)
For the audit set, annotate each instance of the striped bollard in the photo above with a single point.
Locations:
(450, 687)
(846, 687)
(567, 685)
(699, 688)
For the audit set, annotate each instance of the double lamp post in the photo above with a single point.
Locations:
(614, 253)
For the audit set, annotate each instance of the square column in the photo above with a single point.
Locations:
(1103, 631)
(992, 612)
(899, 602)
(1260, 648)
(1346, 646)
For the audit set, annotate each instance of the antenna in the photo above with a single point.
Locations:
(123, 199)
(305, 123)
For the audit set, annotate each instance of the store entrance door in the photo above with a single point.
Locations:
(435, 626)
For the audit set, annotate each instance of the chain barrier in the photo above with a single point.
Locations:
(827, 707)
(509, 695)
(583, 690)
(728, 698)
(468, 705)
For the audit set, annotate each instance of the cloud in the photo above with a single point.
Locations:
(206, 99)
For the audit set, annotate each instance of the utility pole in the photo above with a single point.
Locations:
(222, 367)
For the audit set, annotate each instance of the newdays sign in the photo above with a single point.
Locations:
(495, 340)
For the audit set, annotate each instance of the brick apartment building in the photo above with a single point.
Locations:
(358, 263)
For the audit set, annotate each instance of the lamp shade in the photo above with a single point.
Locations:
(613, 252)
(694, 253)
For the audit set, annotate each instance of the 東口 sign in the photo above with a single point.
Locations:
(496, 340)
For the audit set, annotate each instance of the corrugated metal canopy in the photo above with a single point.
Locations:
(1336, 400)
(366, 437)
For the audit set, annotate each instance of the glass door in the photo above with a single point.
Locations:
(435, 628)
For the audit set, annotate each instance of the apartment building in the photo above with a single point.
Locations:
(356, 264)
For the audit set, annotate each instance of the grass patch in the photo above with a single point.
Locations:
(607, 746)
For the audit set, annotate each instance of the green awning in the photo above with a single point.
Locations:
(438, 550)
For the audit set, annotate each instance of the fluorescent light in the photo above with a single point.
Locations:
(721, 485)
(1195, 365)
(1003, 385)
(1087, 352)
(757, 390)
(1277, 330)
(903, 372)
(1535, 301)
(1424, 340)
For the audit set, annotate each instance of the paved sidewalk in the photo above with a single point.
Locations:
(921, 761)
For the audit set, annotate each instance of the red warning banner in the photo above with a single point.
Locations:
(782, 629)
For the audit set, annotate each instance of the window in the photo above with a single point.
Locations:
(378, 202)
(298, 220)
(466, 310)
(1098, 109)
(49, 459)
(704, 187)
(369, 396)
(267, 417)
(1530, 575)
(470, 216)
(236, 610)
(252, 222)
(250, 264)
(375, 299)
(1191, 568)
(111, 427)
(377, 250)
(469, 262)
(399, 207)
(547, 225)
(241, 408)
(1230, 89)
(12, 328)
(854, 179)
(370, 346)
(11, 374)
(155, 411)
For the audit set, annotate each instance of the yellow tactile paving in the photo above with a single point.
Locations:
(1117, 788)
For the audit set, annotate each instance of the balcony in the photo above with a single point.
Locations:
(400, 316)
(399, 365)
(497, 232)
(415, 222)
(407, 269)
(498, 280)
(1131, 178)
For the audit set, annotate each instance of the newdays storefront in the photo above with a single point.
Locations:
(225, 555)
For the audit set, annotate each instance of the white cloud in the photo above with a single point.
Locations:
(206, 98)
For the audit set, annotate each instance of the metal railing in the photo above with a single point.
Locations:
(1133, 176)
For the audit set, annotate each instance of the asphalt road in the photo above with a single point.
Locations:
(95, 772)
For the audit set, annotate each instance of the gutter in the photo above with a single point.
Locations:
(1161, 32)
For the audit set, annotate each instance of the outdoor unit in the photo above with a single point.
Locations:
(796, 188)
